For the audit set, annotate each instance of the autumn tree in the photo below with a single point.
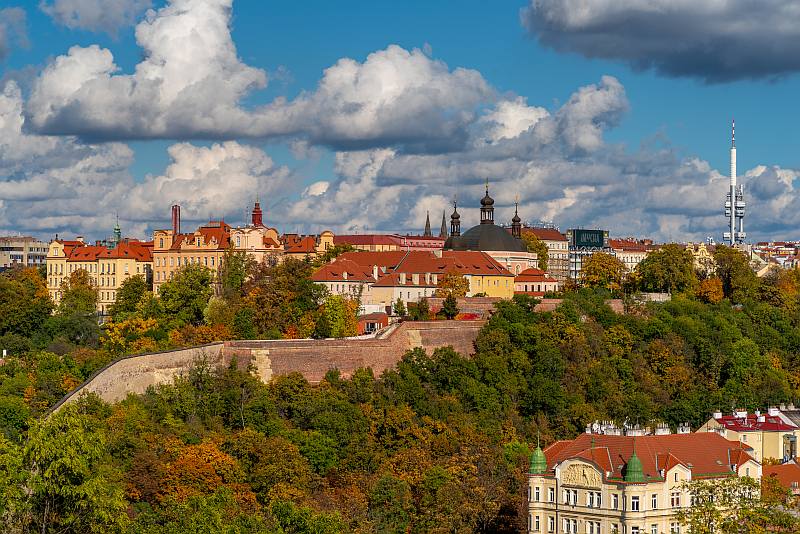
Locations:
(339, 317)
(667, 270)
(184, 297)
(603, 270)
(331, 254)
(452, 283)
(537, 246)
(129, 295)
(710, 290)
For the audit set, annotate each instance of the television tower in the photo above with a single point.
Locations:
(734, 202)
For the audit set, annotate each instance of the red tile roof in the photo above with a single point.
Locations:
(627, 244)
(706, 454)
(752, 424)
(297, 244)
(533, 275)
(212, 231)
(86, 253)
(546, 234)
(787, 474)
(138, 250)
(387, 260)
(335, 272)
(365, 239)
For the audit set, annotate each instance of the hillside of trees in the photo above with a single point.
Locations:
(439, 444)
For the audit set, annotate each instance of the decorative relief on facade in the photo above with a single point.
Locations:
(581, 475)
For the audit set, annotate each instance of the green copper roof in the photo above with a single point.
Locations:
(633, 470)
(538, 462)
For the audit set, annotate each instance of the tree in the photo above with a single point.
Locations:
(338, 318)
(452, 283)
(66, 474)
(731, 505)
(186, 295)
(331, 254)
(537, 246)
(24, 301)
(129, 295)
(399, 307)
(235, 268)
(667, 270)
(710, 290)
(603, 270)
(450, 307)
(739, 282)
(419, 311)
(78, 294)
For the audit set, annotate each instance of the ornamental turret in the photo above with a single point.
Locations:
(455, 222)
(487, 207)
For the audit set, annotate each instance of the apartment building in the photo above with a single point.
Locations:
(772, 434)
(628, 484)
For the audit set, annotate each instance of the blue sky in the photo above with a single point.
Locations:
(294, 42)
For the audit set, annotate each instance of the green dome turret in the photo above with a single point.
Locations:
(634, 472)
(538, 462)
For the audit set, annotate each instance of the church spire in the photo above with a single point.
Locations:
(455, 221)
(487, 207)
(428, 232)
(516, 222)
(443, 229)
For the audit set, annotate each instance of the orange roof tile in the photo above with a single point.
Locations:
(787, 474)
(706, 454)
(533, 275)
(545, 234)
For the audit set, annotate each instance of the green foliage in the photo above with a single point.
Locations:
(338, 318)
(129, 294)
(537, 246)
(419, 311)
(79, 295)
(739, 283)
(185, 297)
(450, 306)
(24, 302)
(399, 307)
(331, 254)
(68, 479)
(669, 269)
(452, 283)
(236, 265)
(603, 270)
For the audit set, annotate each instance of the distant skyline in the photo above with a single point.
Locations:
(363, 116)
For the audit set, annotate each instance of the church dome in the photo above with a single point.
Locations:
(487, 200)
(486, 237)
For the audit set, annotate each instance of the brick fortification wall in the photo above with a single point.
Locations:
(312, 358)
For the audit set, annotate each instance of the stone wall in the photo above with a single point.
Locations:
(312, 358)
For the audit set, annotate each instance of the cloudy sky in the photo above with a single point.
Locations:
(363, 116)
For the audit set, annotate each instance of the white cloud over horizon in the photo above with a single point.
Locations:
(107, 16)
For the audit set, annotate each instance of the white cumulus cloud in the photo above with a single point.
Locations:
(95, 15)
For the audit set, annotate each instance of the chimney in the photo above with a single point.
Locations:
(79, 238)
(717, 415)
(176, 221)
(375, 272)
(773, 411)
(684, 429)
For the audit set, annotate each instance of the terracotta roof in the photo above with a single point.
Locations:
(706, 454)
(297, 244)
(752, 424)
(533, 275)
(384, 260)
(365, 239)
(627, 244)
(212, 231)
(545, 234)
(787, 474)
(138, 250)
(335, 272)
(86, 253)
(375, 316)
(393, 280)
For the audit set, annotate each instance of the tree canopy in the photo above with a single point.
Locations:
(667, 270)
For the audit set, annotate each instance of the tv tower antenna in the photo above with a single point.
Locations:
(734, 202)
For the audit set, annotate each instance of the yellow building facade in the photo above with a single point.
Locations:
(601, 484)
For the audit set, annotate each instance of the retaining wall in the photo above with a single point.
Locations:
(312, 358)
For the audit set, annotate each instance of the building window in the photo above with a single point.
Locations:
(675, 499)
(614, 501)
(634, 530)
(676, 477)
(635, 503)
(675, 528)
(654, 502)
(551, 495)
(536, 493)
(536, 523)
(590, 499)
(551, 524)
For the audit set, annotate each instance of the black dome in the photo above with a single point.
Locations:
(487, 200)
(486, 237)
